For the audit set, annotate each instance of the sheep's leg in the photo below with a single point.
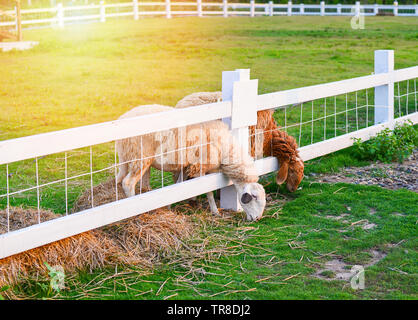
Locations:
(134, 175)
(129, 183)
(212, 204)
(123, 171)
(146, 181)
(178, 177)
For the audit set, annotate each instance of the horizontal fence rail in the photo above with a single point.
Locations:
(287, 97)
(100, 12)
(323, 119)
(59, 141)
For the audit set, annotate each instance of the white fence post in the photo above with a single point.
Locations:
(271, 9)
(395, 8)
(339, 9)
(302, 9)
(357, 9)
(60, 15)
(322, 8)
(238, 88)
(225, 8)
(252, 8)
(16, 22)
(376, 9)
(383, 111)
(136, 10)
(199, 8)
(102, 12)
(167, 9)
(289, 8)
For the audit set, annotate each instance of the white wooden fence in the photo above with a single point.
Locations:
(61, 15)
(240, 103)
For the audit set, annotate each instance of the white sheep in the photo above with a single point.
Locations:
(199, 98)
(274, 142)
(196, 150)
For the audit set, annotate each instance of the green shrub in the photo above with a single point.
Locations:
(389, 145)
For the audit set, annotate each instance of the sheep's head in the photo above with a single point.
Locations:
(282, 173)
(253, 200)
(295, 174)
(285, 149)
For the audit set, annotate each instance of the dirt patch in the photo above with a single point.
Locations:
(364, 224)
(397, 214)
(337, 269)
(341, 216)
(369, 226)
(392, 176)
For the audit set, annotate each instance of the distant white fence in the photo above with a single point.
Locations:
(342, 113)
(60, 15)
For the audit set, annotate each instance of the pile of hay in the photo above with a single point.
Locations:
(88, 250)
(143, 240)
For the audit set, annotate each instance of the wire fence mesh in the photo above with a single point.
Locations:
(315, 121)
(405, 97)
(319, 120)
(57, 181)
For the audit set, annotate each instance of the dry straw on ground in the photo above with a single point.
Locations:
(142, 240)
(187, 237)
(88, 250)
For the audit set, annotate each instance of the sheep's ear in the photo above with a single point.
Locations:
(282, 174)
(246, 198)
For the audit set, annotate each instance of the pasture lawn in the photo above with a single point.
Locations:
(92, 73)
(279, 256)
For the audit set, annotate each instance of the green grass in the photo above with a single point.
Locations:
(92, 73)
(282, 252)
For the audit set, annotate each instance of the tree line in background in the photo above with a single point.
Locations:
(47, 3)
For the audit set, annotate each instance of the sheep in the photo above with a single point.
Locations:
(185, 152)
(274, 142)
(278, 144)
(199, 98)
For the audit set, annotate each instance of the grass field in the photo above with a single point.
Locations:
(92, 73)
